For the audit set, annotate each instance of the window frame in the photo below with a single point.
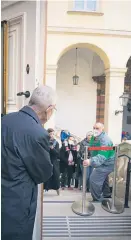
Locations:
(85, 9)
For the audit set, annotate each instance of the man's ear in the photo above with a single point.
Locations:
(49, 108)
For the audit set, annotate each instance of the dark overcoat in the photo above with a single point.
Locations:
(54, 181)
(25, 162)
(64, 155)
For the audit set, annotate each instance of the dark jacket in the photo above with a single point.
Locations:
(25, 162)
(54, 181)
(64, 155)
(83, 144)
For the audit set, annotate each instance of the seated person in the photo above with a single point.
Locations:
(102, 162)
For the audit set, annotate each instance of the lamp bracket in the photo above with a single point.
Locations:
(118, 111)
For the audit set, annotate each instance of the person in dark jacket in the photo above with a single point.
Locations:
(54, 181)
(25, 163)
(68, 158)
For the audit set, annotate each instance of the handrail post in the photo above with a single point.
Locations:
(84, 208)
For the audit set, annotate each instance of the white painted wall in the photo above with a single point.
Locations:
(113, 14)
(76, 105)
(97, 66)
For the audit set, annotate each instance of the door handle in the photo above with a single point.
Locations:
(26, 94)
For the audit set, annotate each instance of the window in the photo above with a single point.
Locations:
(128, 119)
(85, 5)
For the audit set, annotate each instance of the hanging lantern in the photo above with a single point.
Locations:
(75, 80)
(75, 77)
(124, 99)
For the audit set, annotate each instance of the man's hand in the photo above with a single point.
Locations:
(86, 163)
(51, 147)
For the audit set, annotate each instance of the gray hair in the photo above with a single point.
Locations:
(90, 133)
(100, 125)
(43, 97)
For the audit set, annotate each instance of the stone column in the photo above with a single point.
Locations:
(114, 89)
(51, 82)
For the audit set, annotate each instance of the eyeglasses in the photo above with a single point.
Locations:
(53, 107)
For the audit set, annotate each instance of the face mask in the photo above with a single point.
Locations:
(51, 137)
(96, 133)
(71, 142)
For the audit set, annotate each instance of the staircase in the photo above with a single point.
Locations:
(75, 227)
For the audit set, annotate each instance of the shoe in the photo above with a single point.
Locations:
(58, 192)
(63, 188)
(88, 190)
(94, 201)
(107, 196)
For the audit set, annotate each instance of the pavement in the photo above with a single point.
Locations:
(61, 223)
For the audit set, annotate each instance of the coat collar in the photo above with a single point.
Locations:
(98, 138)
(31, 113)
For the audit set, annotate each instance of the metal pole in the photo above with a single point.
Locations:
(127, 185)
(114, 180)
(84, 180)
(84, 208)
(113, 205)
(84, 188)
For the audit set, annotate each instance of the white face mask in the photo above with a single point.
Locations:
(71, 142)
(96, 133)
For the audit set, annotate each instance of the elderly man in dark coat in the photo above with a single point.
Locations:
(25, 163)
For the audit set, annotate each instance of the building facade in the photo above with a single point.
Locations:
(43, 38)
(101, 32)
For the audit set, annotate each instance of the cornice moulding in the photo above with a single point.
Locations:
(76, 30)
(115, 72)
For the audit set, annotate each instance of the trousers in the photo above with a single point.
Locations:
(99, 186)
(67, 174)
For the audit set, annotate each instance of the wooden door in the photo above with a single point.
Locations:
(4, 66)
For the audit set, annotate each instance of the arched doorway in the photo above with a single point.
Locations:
(80, 106)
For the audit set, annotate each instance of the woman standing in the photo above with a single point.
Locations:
(68, 157)
(54, 181)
